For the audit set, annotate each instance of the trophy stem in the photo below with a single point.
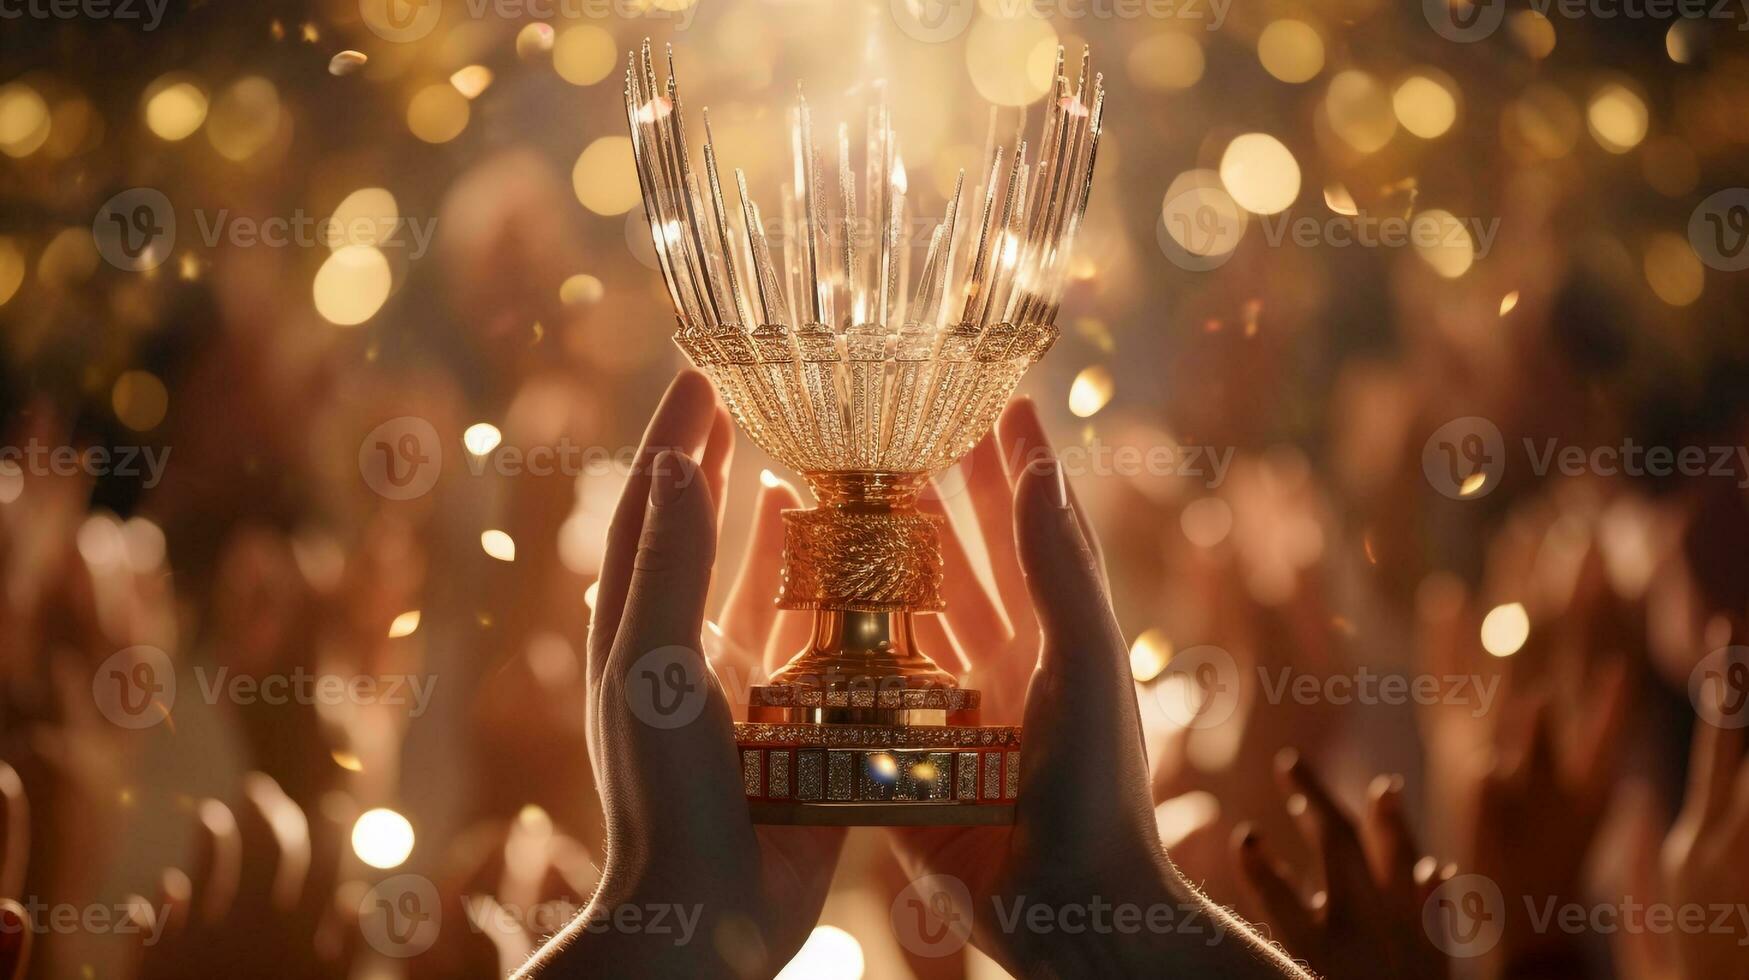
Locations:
(851, 647)
(864, 561)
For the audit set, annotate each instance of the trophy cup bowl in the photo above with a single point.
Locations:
(867, 379)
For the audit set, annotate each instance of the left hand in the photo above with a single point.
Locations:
(679, 835)
(1366, 922)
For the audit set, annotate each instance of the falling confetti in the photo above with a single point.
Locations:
(347, 62)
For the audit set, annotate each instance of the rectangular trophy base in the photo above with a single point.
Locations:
(880, 775)
(881, 814)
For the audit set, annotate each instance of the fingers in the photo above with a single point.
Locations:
(971, 609)
(672, 570)
(991, 488)
(1025, 443)
(1712, 769)
(14, 833)
(1062, 574)
(719, 449)
(788, 636)
(276, 845)
(751, 610)
(1610, 695)
(217, 861)
(936, 640)
(1390, 844)
(683, 421)
(1083, 726)
(1325, 823)
(1273, 887)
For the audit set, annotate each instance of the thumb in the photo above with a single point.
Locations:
(672, 570)
(670, 767)
(1082, 642)
(1083, 762)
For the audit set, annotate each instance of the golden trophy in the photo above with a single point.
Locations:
(866, 373)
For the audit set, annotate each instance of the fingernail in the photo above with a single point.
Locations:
(1386, 789)
(1247, 836)
(1056, 468)
(665, 479)
(1287, 760)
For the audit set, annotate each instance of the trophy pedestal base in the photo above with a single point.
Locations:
(880, 814)
(879, 775)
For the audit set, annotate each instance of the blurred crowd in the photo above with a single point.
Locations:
(298, 528)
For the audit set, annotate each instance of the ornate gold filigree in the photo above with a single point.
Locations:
(835, 559)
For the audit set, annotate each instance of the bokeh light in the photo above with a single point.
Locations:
(581, 289)
(405, 624)
(1166, 61)
(1150, 654)
(829, 954)
(352, 285)
(382, 838)
(1617, 117)
(1090, 391)
(1261, 173)
(12, 269)
(437, 113)
(1425, 104)
(1291, 50)
(584, 54)
(1673, 270)
(1010, 58)
(498, 544)
(244, 119)
(24, 120)
(604, 178)
(1443, 242)
(174, 107)
(1505, 629)
(481, 438)
(139, 399)
(1359, 110)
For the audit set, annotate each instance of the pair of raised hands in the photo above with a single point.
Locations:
(680, 842)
